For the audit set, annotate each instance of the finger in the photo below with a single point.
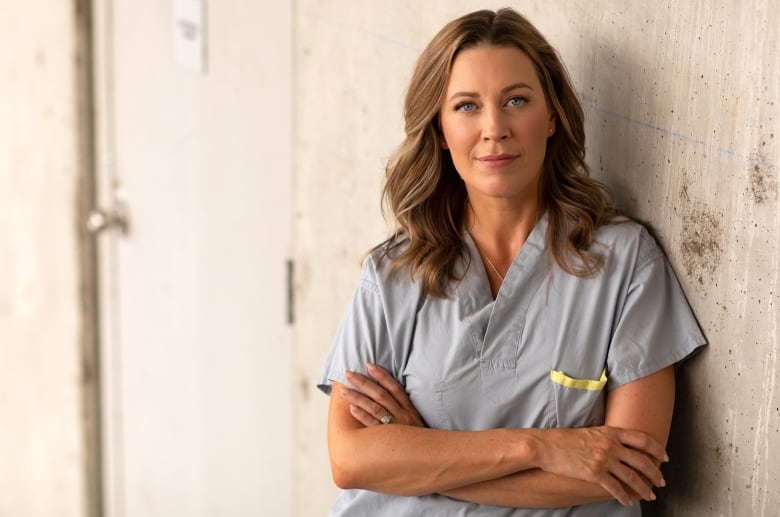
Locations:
(632, 451)
(641, 441)
(644, 465)
(388, 382)
(616, 489)
(362, 417)
(373, 391)
(365, 404)
(633, 480)
(395, 388)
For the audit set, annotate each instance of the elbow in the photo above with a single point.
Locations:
(344, 469)
(344, 475)
(342, 478)
(350, 473)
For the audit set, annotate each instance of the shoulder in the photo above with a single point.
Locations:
(378, 267)
(378, 261)
(627, 241)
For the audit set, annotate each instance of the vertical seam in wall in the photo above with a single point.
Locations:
(85, 198)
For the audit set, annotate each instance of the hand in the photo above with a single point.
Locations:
(378, 396)
(622, 461)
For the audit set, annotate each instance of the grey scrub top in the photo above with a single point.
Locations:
(540, 355)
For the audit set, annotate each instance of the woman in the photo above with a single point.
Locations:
(516, 339)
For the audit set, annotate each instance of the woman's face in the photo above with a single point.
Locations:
(496, 122)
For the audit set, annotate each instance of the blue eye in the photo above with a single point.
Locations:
(516, 102)
(468, 107)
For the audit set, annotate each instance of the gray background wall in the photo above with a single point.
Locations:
(683, 108)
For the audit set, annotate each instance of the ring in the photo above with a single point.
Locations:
(386, 419)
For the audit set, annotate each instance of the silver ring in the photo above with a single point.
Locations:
(386, 419)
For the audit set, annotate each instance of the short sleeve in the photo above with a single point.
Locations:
(655, 327)
(362, 335)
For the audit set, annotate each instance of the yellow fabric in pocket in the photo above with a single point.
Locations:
(561, 378)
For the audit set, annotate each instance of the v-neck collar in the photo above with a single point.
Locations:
(478, 285)
(507, 311)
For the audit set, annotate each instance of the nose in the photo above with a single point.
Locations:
(494, 125)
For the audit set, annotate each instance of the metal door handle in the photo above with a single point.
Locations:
(104, 219)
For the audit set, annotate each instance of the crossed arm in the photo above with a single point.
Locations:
(540, 468)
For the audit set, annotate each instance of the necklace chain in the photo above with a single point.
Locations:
(490, 262)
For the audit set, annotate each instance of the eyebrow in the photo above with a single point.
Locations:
(511, 87)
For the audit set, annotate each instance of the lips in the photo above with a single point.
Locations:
(496, 160)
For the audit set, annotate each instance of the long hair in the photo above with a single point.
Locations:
(424, 193)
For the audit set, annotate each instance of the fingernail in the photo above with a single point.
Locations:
(371, 366)
(652, 496)
(666, 458)
(663, 483)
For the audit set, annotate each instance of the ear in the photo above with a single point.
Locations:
(552, 125)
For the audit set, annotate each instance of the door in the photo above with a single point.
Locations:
(196, 353)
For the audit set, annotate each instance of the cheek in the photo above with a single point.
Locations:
(536, 129)
(458, 137)
(454, 139)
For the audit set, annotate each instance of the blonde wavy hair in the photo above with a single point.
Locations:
(424, 193)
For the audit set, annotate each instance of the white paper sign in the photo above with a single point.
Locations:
(189, 31)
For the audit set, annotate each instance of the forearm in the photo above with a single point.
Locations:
(407, 460)
(531, 489)
(492, 467)
(540, 489)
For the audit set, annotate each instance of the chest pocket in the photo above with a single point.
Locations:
(498, 370)
(578, 402)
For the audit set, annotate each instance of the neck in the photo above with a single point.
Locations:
(501, 228)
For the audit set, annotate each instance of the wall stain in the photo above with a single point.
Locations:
(702, 233)
(701, 250)
(303, 388)
(761, 178)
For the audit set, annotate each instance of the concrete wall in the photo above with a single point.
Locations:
(41, 471)
(683, 117)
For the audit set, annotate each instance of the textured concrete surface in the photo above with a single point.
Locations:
(41, 471)
(683, 105)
